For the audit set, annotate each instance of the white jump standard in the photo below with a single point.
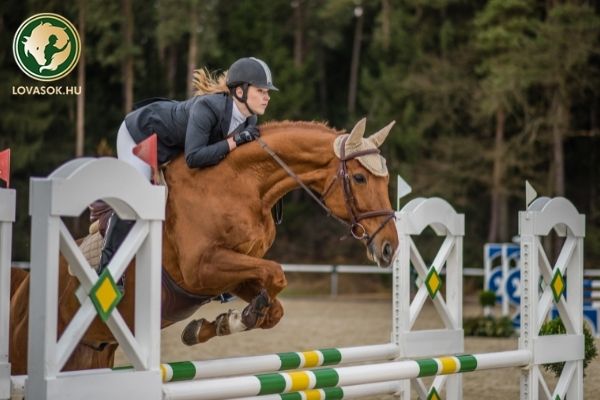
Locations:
(67, 192)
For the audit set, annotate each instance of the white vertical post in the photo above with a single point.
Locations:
(454, 301)
(67, 192)
(41, 359)
(529, 294)
(414, 217)
(7, 217)
(148, 293)
(542, 216)
(401, 296)
(575, 310)
(487, 270)
(504, 266)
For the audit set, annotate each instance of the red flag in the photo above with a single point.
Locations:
(147, 152)
(5, 166)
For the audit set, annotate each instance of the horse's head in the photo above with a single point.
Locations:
(358, 192)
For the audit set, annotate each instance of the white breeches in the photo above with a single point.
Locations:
(125, 145)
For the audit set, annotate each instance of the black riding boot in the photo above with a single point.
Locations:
(116, 232)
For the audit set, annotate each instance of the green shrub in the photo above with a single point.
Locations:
(487, 298)
(488, 326)
(556, 327)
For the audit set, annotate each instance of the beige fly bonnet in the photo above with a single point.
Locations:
(356, 142)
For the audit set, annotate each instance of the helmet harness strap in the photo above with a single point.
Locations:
(244, 97)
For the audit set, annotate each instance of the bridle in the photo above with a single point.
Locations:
(357, 230)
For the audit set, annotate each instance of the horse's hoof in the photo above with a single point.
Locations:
(189, 336)
(254, 314)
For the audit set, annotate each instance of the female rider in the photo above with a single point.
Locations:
(207, 127)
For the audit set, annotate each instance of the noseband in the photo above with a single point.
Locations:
(357, 230)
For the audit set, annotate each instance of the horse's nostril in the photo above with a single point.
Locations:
(387, 252)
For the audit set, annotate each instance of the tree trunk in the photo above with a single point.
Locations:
(127, 64)
(297, 5)
(80, 124)
(171, 69)
(192, 48)
(594, 176)
(497, 180)
(560, 123)
(352, 87)
(322, 78)
(386, 11)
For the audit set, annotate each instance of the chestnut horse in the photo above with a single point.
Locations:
(219, 226)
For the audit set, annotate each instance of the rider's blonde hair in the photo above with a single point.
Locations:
(206, 82)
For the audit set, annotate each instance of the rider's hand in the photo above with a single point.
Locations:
(253, 130)
(243, 137)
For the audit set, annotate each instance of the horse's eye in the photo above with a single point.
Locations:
(359, 178)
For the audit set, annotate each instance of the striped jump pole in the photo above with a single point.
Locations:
(334, 393)
(287, 382)
(192, 370)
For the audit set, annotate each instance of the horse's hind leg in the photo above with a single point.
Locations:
(19, 318)
(91, 357)
(255, 280)
(17, 276)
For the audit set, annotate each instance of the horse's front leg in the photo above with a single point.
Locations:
(253, 279)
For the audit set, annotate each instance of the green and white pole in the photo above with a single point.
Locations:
(334, 393)
(287, 382)
(235, 366)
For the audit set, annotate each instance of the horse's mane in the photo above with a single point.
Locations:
(267, 127)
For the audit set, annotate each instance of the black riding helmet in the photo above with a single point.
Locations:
(249, 71)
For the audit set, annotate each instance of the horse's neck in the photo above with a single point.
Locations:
(308, 153)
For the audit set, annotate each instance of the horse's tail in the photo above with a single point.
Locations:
(17, 276)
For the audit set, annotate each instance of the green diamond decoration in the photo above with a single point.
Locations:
(433, 395)
(105, 295)
(558, 285)
(557, 397)
(433, 282)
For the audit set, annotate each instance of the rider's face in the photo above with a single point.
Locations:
(258, 99)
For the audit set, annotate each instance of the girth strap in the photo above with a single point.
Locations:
(178, 303)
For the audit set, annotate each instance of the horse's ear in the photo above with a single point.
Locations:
(379, 137)
(357, 134)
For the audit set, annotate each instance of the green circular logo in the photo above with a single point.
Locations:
(46, 47)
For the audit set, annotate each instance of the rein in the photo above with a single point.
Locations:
(357, 230)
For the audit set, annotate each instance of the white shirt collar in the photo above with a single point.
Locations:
(237, 118)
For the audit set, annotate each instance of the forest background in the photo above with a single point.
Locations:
(485, 94)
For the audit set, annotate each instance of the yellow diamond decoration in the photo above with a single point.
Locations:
(558, 285)
(105, 295)
(433, 282)
(433, 395)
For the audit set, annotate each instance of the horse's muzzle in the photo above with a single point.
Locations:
(387, 253)
(382, 255)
